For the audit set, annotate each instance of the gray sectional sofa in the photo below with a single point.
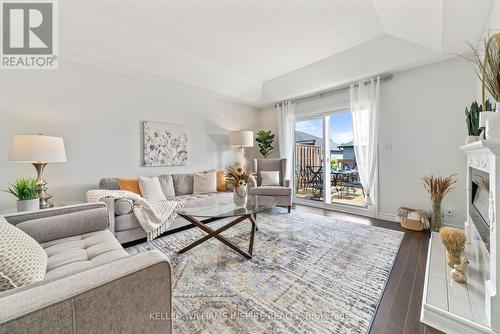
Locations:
(177, 187)
(92, 285)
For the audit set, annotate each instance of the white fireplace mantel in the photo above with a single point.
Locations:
(473, 307)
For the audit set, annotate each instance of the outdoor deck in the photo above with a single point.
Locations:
(352, 198)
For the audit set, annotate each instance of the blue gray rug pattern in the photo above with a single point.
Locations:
(309, 273)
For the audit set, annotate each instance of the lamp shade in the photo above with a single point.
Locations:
(37, 149)
(241, 138)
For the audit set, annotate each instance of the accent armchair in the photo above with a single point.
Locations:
(282, 193)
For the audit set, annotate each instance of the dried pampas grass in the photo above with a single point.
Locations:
(438, 187)
(454, 241)
(488, 70)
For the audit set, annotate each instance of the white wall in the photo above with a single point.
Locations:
(422, 121)
(422, 118)
(99, 114)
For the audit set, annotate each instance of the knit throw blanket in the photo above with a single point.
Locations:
(154, 218)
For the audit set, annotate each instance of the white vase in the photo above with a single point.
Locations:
(28, 205)
(240, 195)
(471, 139)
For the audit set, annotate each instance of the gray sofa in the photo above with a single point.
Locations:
(92, 285)
(177, 187)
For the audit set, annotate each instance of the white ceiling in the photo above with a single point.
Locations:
(261, 40)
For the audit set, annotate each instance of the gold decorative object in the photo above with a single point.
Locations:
(458, 273)
(438, 187)
(454, 241)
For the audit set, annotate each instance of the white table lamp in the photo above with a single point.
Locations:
(241, 139)
(38, 150)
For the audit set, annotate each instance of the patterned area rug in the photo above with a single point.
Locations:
(309, 273)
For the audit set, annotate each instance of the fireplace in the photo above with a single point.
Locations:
(473, 307)
(479, 203)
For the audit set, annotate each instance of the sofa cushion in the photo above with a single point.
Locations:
(190, 201)
(22, 259)
(109, 183)
(270, 178)
(74, 254)
(167, 186)
(183, 184)
(123, 206)
(151, 189)
(271, 191)
(204, 183)
(131, 185)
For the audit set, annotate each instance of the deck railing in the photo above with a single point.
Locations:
(306, 155)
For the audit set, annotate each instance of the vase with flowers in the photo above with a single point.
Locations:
(238, 176)
(438, 188)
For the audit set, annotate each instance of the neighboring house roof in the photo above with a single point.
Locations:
(348, 144)
(302, 137)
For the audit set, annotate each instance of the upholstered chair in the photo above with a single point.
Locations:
(281, 190)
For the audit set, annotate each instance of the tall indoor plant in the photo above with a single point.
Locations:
(438, 188)
(265, 140)
(26, 192)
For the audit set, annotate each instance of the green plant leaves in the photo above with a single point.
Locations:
(472, 116)
(265, 140)
(24, 189)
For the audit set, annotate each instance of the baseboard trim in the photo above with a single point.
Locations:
(387, 216)
(348, 209)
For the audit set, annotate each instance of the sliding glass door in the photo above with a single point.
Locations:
(325, 161)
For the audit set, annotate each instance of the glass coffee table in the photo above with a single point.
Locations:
(255, 204)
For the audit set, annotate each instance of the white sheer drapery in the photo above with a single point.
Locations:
(286, 127)
(365, 109)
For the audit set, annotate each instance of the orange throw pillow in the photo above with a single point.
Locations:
(221, 180)
(131, 185)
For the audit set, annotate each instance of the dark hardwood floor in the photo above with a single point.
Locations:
(399, 309)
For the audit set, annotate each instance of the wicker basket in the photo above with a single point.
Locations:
(412, 219)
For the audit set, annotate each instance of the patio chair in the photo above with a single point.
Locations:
(315, 181)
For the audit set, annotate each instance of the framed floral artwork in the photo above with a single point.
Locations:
(165, 144)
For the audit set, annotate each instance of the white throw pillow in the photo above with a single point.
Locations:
(269, 178)
(22, 259)
(205, 183)
(151, 189)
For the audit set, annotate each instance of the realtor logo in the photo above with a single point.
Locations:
(29, 34)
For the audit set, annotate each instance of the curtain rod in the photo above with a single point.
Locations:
(333, 91)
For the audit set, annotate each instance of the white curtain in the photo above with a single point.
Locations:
(365, 109)
(286, 127)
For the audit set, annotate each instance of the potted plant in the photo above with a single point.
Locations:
(265, 140)
(488, 71)
(438, 187)
(26, 192)
(473, 118)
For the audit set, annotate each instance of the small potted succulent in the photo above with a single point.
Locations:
(26, 192)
